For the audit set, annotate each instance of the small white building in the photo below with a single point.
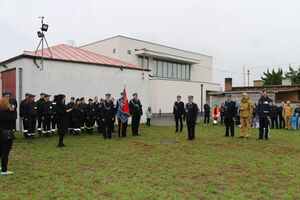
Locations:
(73, 72)
(173, 71)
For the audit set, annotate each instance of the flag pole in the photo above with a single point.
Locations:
(121, 129)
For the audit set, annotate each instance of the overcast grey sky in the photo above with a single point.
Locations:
(255, 33)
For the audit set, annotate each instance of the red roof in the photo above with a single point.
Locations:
(68, 53)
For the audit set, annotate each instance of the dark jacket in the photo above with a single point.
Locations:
(6, 118)
(274, 112)
(206, 109)
(280, 109)
(178, 108)
(15, 103)
(39, 106)
(135, 107)
(264, 107)
(90, 111)
(47, 109)
(22, 107)
(76, 114)
(62, 117)
(107, 110)
(230, 109)
(31, 109)
(222, 110)
(191, 112)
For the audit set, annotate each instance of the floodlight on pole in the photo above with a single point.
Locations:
(44, 28)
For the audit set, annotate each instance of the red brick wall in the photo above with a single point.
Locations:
(292, 96)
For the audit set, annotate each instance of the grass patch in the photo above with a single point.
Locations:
(211, 167)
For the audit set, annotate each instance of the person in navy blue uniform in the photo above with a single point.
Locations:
(97, 105)
(39, 106)
(47, 114)
(22, 110)
(70, 105)
(191, 113)
(107, 116)
(136, 112)
(229, 115)
(178, 112)
(90, 115)
(62, 118)
(76, 117)
(83, 117)
(263, 110)
(30, 115)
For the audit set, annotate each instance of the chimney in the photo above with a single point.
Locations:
(228, 84)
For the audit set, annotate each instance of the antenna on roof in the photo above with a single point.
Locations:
(41, 35)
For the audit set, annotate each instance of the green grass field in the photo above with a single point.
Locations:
(211, 167)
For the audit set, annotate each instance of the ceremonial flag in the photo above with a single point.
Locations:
(123, 109)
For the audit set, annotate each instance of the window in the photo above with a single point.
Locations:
(159, 69)
(141, 62)
(165, 69)
(154, 68)
(114, 50)
(129, 52)
(170, 70)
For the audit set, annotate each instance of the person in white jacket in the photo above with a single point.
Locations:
(148, 115)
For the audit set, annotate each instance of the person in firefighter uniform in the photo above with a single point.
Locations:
(263, 111)
(39, 106)
(76, 117)
(83, 117)
(136, 112)
(90, 115)
(71, 105)
(191, 113)
(107, 115)
(245, 108)
(47, 115)
(178, 112)
(30, 115)
(22, 114)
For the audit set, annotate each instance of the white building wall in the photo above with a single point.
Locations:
(75, 79)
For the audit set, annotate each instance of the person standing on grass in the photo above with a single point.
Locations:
(136, 112)
(274, 116)
(263, 110)
(297, 110)
(281, 119)
(7, 116)
(191, 113)
(62, 117)
(178, 112)
(215, 114)
(206, 113)
(230, 114)
(245, 109)
(149, 115)
(222, 112)
(288, 113)
(108, 114)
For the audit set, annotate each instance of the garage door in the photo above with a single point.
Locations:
(9, 82)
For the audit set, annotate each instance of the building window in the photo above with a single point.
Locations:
(129, 52)
(142, 63)
(114, 50)
(169, 69)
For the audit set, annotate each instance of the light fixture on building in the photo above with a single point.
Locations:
(44, 27)
(40, 34)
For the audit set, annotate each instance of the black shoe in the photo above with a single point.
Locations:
(180, 131)
(242, 137)
(259, 139)
(176, 131)
(266, 138)
(226, 136)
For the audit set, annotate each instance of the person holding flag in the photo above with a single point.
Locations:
(123, 114)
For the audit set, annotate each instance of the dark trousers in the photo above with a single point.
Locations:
(107, 128)
(148, 121)
(274, 120)
(124, 128)
(229, 125)
(264, 127)
(191, 129)
(100, 125)
(25, 127)
(222, 119)
(178, 118)
(39, 127)
(82, 125)
(206, 118)
(90, 122)
(61, 134)
(135, 123)
(281, 122)
(5, 147)
(53, 124)
(71, 125)
(46, 124)
(31, 125)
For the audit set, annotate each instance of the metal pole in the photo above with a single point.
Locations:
(248, 73)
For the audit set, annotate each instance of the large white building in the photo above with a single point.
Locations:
(173, 71)
(156, 72)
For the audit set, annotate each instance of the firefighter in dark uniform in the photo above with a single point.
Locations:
(96, 105)
(178, 112)
(191, 113)
(229, 115)
(263, 111)
(22, 112)
(124, 124)
(136, 112)
(83, 118)
(90, 117)
(39, 105)
(53, 119)
(30, 115)
(100, 126)
(71, 105)
(47, 115)
(107, 116)
(13, 105)
(76, 117)
(115, 112)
